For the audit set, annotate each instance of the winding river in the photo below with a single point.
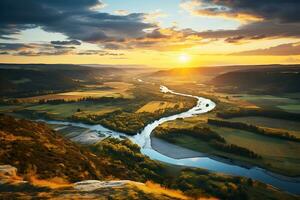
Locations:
(203, 105)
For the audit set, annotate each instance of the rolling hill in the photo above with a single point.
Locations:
(262, 80)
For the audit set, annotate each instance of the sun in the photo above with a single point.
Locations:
(184, 58)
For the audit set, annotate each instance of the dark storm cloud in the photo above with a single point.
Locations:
(13, 46)
(286, 11)
(277, 18)
(37, 49)
(33, 49)
(75, 18)
(66, 42)
(257, 30)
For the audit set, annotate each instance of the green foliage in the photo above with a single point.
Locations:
(232, 148)
(260, 80)
(35, 149)
(127, 120)
(276, 114)
(197, 182)
(125, 154)
(254, 129)
(201, 183)
(204, 134)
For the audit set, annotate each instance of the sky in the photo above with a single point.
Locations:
(156, 33)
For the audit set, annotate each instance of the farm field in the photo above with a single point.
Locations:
(154, 106)
(278, 155)
(107, 89)
(284, 102)
(269, 122)
(67, 110)
(294, 108)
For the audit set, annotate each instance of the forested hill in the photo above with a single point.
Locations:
(20, 80)
(265, 80)
(34, 148)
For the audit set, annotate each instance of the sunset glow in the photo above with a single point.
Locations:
(184, 58)
(138, 32)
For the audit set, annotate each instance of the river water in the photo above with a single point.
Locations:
(203, 105)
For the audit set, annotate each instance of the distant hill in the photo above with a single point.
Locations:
(262, 80)
(207, 73)
(20, 80)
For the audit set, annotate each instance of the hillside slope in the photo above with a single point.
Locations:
(35, 149)
(266, 80)
(20, 80)
(13, 186)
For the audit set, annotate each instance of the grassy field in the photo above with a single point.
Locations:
(277, 155)
(280, 155)
(269, 122)
(107, 89)
(294, 108)
(285, 102)
(154, 106)
(68, 109)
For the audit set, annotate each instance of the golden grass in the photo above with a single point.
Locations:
(153, 106)
(98, 112)
(10, 137)
(119, 90)
(227, 98)
(150, 187)
(53, 183)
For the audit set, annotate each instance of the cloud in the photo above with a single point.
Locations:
(13, 46)
(257, 30)
(121, 12)
(99, 53)
(44, 49)
(66, 42)
(263, 18)
(286, 11)
(154, 16)
(280, 50)
(234, 39)
(75, 18)
(34, 49)
(83, 21)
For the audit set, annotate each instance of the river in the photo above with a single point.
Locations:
(203, 105)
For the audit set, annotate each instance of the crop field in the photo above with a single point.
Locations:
(107, 89)
(154, 106)
(293, 108)
(270, 122)
(66, 110)
(279, 154)
(268, 101)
